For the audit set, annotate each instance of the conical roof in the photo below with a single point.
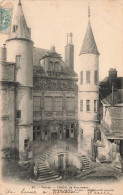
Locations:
(19, 27)
(89, 44)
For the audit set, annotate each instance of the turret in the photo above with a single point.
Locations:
(88, 90)
(20, 50)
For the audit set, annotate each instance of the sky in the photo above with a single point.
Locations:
(51, 20)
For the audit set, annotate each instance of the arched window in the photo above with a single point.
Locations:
(50, 66)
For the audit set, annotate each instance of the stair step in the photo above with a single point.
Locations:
(43, 159)
(48, 178)
(42, 166)
(42, 163)
(51, 180)
(86, 165)
(48, 173)
(44, 171)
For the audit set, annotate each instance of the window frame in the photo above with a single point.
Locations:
(88, 77)
(56, 106)
(68, 105)
(26, 144)
(81, 105)
(37, 108)
(18, 61)
(18, 114)
(95, 76)
(81, 77)
(95, 106)
(88, 109)
(45, 102)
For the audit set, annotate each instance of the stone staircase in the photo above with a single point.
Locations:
(45, 174)
(85, 162)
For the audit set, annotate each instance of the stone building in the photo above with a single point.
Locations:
(55, 95)
(110, 129)
(39, 94)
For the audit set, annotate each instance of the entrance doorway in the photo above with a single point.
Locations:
(53, 138)
(67, 133)
(60, 161)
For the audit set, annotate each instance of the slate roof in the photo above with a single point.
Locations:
(89, 44)
(116, 128)
(106, 96)
(22, 28)
(39, 54)
(120, 82)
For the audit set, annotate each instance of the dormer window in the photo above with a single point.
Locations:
(50, 66)
(15, 28)
(56, 67)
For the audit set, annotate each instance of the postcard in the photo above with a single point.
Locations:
(61, 97)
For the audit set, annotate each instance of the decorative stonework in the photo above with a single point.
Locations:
(55, 84)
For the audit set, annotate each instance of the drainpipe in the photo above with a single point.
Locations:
(112, 94)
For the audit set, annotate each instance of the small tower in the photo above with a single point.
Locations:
(20, 50)
(88, 95)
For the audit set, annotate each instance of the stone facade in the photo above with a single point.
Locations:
(7, 95)
(55, 96)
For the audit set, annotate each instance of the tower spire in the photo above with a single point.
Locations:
(89, 12)
(19, 3)
(89, 44)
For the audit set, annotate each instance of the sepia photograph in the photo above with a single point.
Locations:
(61, 97)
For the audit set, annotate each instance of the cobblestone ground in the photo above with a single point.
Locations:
(103, 172)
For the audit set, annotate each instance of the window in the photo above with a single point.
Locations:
(81, 77)
(56, 67)
(70, 103)
(18, 60)
(87, 76)
(37, 132)
(38, 127)
(30, 93)
(37, 106)
(58, 103)
(72, 130)
(48, 103)
(95, 76)
(87, 105)
(67, 133)
(95, 105)
(18, 113)
(50, 67)
(15, 28)
(60, 134)
(26, 143)
(81, 105)
(46, 136)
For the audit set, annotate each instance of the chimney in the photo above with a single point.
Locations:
(69, 51)
(112, 78)
(3, 53)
